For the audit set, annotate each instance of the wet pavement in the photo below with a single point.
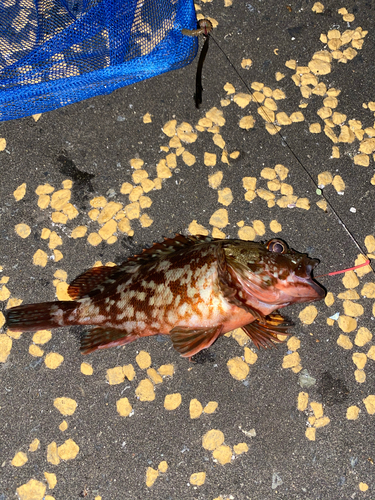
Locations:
(98, 181)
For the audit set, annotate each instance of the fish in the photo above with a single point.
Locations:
(192, 288)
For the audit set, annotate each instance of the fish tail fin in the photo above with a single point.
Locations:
(31, 317)
(102, 338)
(265, 333)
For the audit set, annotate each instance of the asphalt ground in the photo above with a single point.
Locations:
(303, 414)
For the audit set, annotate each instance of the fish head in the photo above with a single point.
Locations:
(272, 273)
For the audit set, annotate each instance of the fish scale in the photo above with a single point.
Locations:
(194, 289)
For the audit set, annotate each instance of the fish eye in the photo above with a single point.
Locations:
(277, 246)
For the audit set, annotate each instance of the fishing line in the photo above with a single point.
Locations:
(318, 189)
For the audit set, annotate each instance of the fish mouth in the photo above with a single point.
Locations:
(320, 292)
(305, 267)
(311, 290)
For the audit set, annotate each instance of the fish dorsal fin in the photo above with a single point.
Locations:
(265, 335)
(167, 247)
(189, 341)
(90, 280)
(93, 281)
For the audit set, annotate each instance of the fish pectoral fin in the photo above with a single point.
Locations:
(189, 341)
(265, 335)
(102, 338)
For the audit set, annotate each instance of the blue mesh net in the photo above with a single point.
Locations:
(56, 52)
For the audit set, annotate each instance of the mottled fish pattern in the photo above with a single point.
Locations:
(193, 288)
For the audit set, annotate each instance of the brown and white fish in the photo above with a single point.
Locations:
(191, 288)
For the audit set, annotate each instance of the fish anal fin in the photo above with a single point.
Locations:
(265, 335)
(90, 280)
(103, 338)
(189, 341)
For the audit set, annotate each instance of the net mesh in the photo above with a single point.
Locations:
(56, 52)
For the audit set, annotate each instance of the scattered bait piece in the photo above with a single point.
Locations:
(151, 476)
(154, 376)
(240, 448)
(34, 445)
(115, 375)
(145, 390)
(219, 218)
(53, 360)
(19, 459)
(215, 179)
(20, 192)
(210, 407)
(350, 280)
(329, 299)
(196, 229)
(293, 344)
(352, 309)
(172, 401)
(188, 158)
(212, 439)
(363, 337)
(315, 128)
(344, 342)
(52, 455)
(247, 122)
(247, 233)
(137, 163)
(40, 258)
(195, 409)
(275, 226)
(166, 370)
(302, 402)
(36, 351)
(228, 87)
(246, 63)
(321, 422)
(360, 360)
(310, 433)
(79, 232)
(51, 479)
(368, 290)
(216, 233)
(66, 406)
(291, 64)
(308, 314)
(86, 369)
(143, 360)
(242, 100)
(360, 376)
(279, 76)
(69, 450)
(210, 159)
(147, 118)
(238, 368)
(352, 412)
(129, 372)
(33, 489)
(346, 323)
(124, 408)
(23, 230)
(369, 403)
(223, 454)
(291, 360)
(250, 356)
(163, 467)
(198, 478)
